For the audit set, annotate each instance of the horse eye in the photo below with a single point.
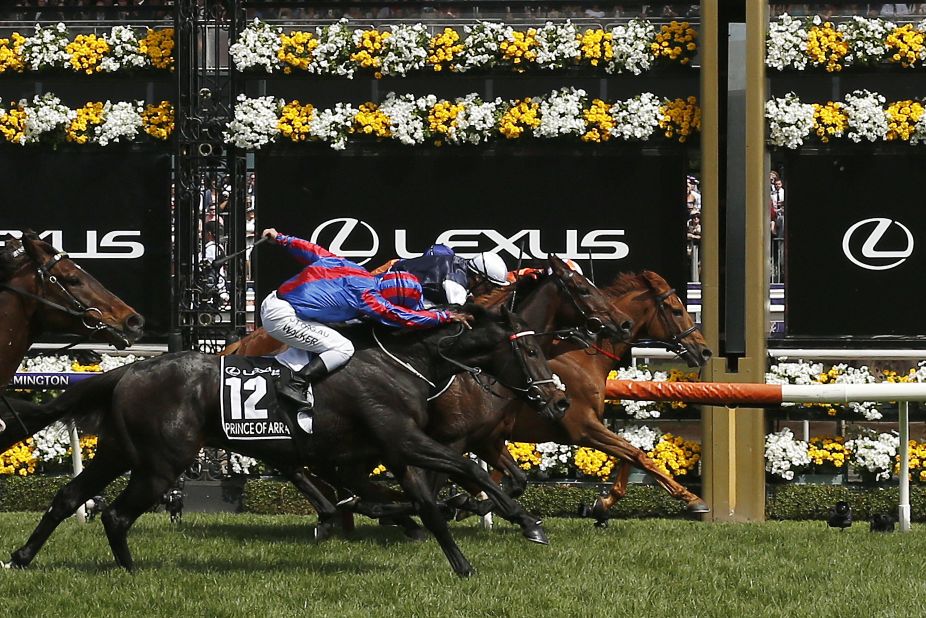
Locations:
(584, 291)
(69, 280)
(531, 352)
(677, 313)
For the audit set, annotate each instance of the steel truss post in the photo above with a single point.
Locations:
(209, 303)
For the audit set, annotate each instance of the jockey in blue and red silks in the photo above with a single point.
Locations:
(334, 289)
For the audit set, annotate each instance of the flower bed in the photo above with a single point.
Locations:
(813, 42)
(46, 120)
(123, 48)
(342, 50)
(863, 117)
(410, 120)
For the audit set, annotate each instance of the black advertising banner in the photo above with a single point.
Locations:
(856, 246)
(109, 210)
(627, 212)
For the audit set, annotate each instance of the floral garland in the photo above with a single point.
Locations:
(123, 48)
(339, 49)
(46, 119)
(413, 121)
(864, 117)
(673, 455)
(796, 43)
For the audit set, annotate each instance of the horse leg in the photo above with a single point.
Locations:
(500, 458)
(387, 505)
(603, 439)
(327, 513)
(420, 450)
(99, 473)
(617, 491)
(145, 488)
(417, 488)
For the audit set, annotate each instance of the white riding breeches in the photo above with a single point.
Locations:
(281, 322)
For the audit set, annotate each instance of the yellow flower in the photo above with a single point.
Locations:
(86, 53)
(598, 122)
(826, 46)
(830, 120)
(593, 462)
(19, 459)
(11, 58)
(524, 454)
(520, 116)
(369, 50)
(296, 50)
(158, 45)
(906, 45)
(520, 49)
(158, 120)
(13, 125)
(370, 120)
(443, 49)
(296, 120)
(680, 117)
(902, 119)
(81, 128)
(443, 117)
(675, 41)
(596, 46)
(676, 456)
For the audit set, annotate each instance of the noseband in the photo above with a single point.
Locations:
(593, 325)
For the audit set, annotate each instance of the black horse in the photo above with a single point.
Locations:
(156, 415)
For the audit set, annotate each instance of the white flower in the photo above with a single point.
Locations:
(332, 56)
(47, 48)
(632, 47)
(477, 122)
(44, 115)
(333, 125)
(554, 457)
(789, 121)
(408, 116)
(641, 409)
(642, 437)
(124, 51)
(481, 46)
(874, 453)
(867, 116)
(120, 120)
(807, 374)
(406, 50)
(636, 118)
(257, 46)
(866, 39)
(557, 45)
(561, 113)
(786, 44)
(52, 443)
(255, 124)
(784, 454)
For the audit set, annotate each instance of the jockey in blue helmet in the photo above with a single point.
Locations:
(448, 279)
(333, 289)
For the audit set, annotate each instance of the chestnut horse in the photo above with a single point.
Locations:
(43, 291)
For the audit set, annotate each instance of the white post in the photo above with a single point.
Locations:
(903, 511)
(78, 463)
(805, 424)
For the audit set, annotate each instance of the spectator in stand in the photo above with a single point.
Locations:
(693, 196)
(894, 9)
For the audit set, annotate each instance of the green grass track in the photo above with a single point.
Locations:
(261, 566)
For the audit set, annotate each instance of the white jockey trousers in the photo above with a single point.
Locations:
(281, 322)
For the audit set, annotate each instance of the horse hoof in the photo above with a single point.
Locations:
(698, 506)
(322, 532)
(601, 523)
(536, 534)
(467, 572)
(457, 501)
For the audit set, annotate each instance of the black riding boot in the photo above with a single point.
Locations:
(296, 388)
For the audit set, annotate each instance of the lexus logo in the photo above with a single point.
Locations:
(860, 244)
(344, 229)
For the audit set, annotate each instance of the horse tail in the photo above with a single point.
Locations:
(23, 418)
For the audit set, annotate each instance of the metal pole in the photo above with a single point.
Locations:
(903, 511)
(78, 464)
(487, 518)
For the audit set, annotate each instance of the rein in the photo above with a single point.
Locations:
(674, 345)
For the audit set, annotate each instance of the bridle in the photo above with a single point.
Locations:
(593, 325)
(76, 308)
(674, 344)
(531, 391)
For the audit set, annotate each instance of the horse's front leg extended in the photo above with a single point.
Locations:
(605, 440)
(327, 513)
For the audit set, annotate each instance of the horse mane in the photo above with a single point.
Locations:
(625, 283)
(8, 262)
(499, 296)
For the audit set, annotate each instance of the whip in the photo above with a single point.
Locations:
(221, 261)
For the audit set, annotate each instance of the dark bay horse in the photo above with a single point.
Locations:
(43, 291)
(157, 414)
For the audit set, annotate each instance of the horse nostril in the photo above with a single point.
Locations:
(562, 405)
(134, 323)
(706, 354)
(627, 326)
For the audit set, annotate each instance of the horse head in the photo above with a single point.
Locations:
(67, 298)
(586, 305)
(660, 315)
(502, 336)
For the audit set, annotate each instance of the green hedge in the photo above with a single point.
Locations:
(786, 502)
